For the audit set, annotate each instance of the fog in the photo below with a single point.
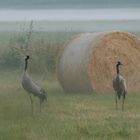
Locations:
(69, 14)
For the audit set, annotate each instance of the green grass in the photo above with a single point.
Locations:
(65, 116)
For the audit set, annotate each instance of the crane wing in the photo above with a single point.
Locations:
(29, 85)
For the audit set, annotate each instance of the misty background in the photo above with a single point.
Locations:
(70, 15)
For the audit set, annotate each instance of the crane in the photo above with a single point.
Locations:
(119, 85)
(32, 87)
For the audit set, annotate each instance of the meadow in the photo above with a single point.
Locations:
(65, 116)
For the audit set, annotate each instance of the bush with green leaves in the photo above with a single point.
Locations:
(43, 48)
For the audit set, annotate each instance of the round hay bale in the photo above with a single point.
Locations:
(87, 62)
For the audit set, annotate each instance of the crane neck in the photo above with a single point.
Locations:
(26, 64)
(117, 69)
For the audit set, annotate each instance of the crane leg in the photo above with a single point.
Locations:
(123, 99)
(123, 103)
(116, 101)
(31, 102)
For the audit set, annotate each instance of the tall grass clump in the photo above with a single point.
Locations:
(17, 47)
(43, 48)
(10, 56)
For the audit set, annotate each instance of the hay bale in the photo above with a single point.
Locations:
(87, 62)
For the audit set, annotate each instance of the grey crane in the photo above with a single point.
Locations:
(119, 85)
(32, 87)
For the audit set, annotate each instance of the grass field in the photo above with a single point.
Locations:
(66, 116)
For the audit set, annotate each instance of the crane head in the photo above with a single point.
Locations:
(27, 57)
(119, 63)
